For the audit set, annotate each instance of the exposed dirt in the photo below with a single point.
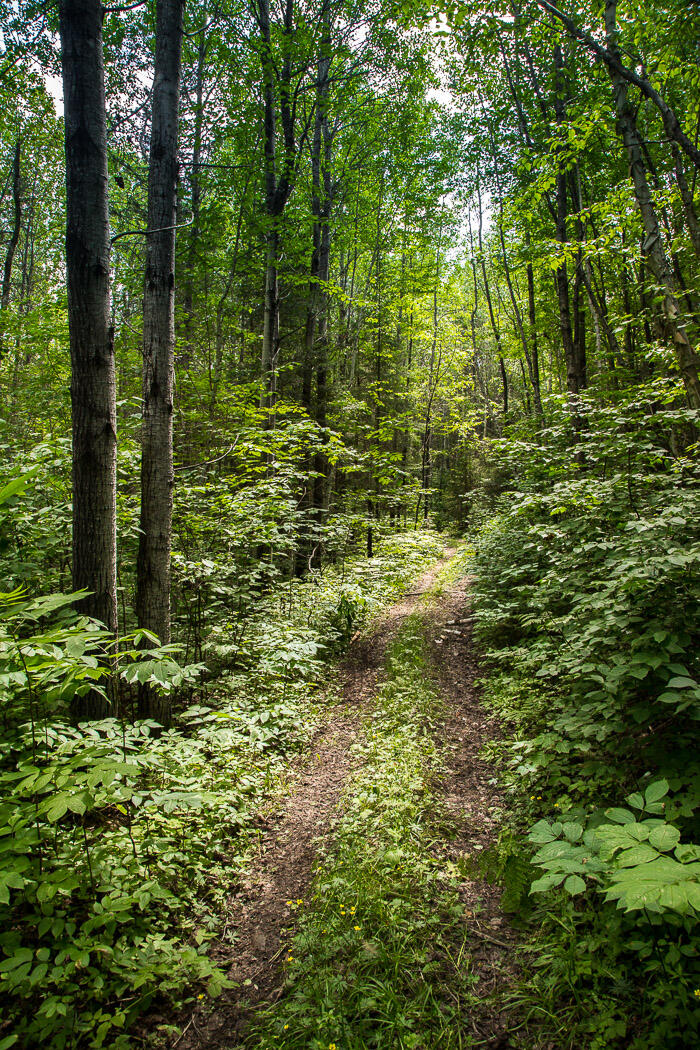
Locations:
(471, 796)
(259, 912)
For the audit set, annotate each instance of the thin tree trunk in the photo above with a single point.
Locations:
(561, 277)
(489, 302)
(689, 212)
(185, 354)
(534, 362)
(157, 479)
(324, 261)
(93, 386)
(14, 239)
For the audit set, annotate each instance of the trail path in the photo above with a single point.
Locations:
(259, 912)
(471, 795)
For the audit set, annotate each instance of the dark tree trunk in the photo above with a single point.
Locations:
(561, 277)
(653, 249)
(325, 202)
(188, 299)
(93, 387)
(534, 361)
(14, 239)
(277, 187)
(153, 578)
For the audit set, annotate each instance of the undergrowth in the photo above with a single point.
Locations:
(378, 957)
(119, 840)
(586, 603)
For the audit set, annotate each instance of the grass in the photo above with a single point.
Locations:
(379, 958)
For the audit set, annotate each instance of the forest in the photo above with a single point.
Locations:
(349, 524)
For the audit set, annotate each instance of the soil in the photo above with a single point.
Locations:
(471, 797)
(259, 911)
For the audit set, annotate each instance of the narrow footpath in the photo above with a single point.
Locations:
(421, 647)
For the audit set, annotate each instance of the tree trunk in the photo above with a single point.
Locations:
(188, 303)
(625, 76)
(268, 357)
(93, 386)
(325, 202)
(561, 278)
(652, 247)
(534, 361)
(689, 212)
(157, 479)
(14, 240)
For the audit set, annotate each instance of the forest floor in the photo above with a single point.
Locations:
(458, 807)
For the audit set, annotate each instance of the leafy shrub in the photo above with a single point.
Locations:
(586, 600)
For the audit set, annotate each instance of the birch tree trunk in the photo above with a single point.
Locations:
(157, 481)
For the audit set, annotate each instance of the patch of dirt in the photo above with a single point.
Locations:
(471, 795)
(258, 911)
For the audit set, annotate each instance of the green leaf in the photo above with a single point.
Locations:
(13, 488)
(76, 804)
(573, 831)
(547, 882)
(541, 832)
(620, 816)
(642, 854)
(656, 791)
(664, 838)
(574, 884)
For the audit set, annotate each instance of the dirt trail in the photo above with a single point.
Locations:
(259, 912)
(471, 795)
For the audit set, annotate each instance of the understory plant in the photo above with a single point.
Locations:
(375, 960)
(119, 840)
(586, 601)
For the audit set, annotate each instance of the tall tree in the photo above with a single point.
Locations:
(14, 237)
(157, 479)
(93, 387)
(673, 322)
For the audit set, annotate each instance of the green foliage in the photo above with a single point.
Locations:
(374, 960)
(118, 840)
(585, 582)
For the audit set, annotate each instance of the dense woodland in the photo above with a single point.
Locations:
(292, 297)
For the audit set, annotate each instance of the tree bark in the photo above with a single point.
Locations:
(534, 360)
(652, 247)
(325, 202)
(157, 479)
(93, 386)
(188, 299)
(277, 188)
(14, 239)
(622, 74)
(689, 212)
(574, 380)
